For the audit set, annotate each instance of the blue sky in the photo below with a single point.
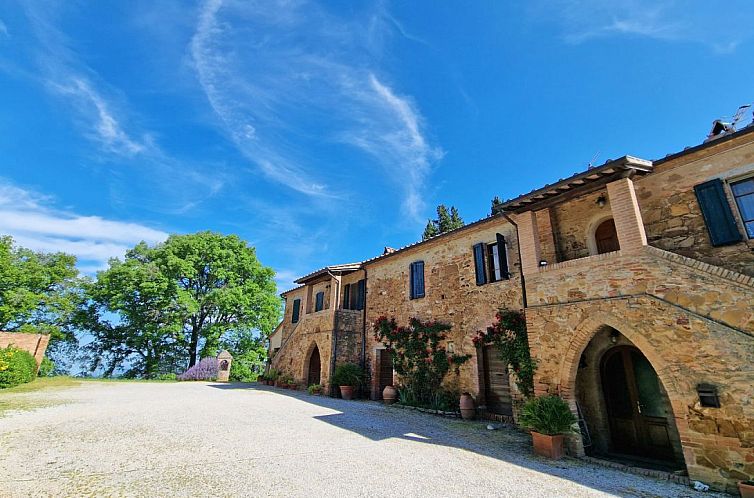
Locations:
(322, 132)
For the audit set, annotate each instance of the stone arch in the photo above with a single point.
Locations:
(592, 226)
(307, 359)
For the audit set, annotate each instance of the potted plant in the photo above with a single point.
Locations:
(746, 488)
(348, 376)
(389, 395)
(549, 418)
(271, 377)
(314, 389)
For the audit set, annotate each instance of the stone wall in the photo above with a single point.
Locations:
(36, 344)
(348, 336)
(571, 223)
(671, 213)
(452, 295)
(293, 357)
(693, 322)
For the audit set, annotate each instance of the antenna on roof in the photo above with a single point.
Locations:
(740, 113)
(721, 128)
(594, 158)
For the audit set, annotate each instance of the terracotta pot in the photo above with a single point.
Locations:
(746, 489)
(468, 410)
(346, 392)
(389, 395)
(293, 386)
(548, 446)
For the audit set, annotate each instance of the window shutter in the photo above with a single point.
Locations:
(296, 310)
(481, 275)
(502, 256)
(320, 301)
(417, 279)
(361, 294)
(347, 297)
(717, 214)
(412, 281)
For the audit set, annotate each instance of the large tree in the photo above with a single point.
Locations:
(445, 221)
(135, 318)
(39, 291)
(180, 295)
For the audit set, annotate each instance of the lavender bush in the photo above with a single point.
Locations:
(206, 369)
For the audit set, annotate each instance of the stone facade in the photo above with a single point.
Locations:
(677, 303)
(36, 344)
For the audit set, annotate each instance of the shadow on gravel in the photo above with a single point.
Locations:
(378, 422)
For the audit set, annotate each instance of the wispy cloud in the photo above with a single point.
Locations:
(664, 20)
(34, 222)
(287, 80)
(4, 30)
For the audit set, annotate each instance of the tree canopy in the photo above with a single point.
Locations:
(39, 292)
(445, 221)
(174, 301)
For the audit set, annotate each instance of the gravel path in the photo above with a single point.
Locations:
(191, 439)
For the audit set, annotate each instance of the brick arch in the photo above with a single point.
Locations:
(307, 358)
(583, 334)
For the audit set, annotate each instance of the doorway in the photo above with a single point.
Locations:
(497, 390)
(636, 405)
(385, 373)
(606, 237)
(315, 368)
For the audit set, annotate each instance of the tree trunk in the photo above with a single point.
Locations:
(193, 346)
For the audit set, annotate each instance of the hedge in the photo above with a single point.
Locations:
(16, 367)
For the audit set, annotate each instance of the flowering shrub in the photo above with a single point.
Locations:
(16, 367)
(508, 334)
(206, 369)
(418, 356)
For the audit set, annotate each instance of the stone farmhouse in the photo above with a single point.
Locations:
(637, 282)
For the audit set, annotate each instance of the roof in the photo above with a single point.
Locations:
(400, 250)
(344, 268)
(709, 143)
(581, 182)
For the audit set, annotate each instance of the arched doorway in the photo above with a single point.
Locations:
(315, 368)
(606, 237)
(636, 405)
(624, 409)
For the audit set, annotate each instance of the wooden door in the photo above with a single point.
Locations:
(606, 237)
(497, 392)
(636, 405)
(315, 368)
(385, 374)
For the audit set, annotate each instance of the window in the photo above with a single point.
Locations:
(296, 310)
(743, 192)
(353, 295)
(491, 261)
(417, 279)
(717, 214)
(319, 302)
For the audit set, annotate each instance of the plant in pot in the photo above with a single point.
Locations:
(549, 419)
(348, 376)
(314, 389)
(271, 377)
(746, 488)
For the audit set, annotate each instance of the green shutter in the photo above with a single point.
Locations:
(347, 297)
(417, 279)
(502, 256)
(717, 213)
(481, 275)
(296, 310)
(361, 294)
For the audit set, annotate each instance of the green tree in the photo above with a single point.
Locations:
(249, 354)
(134, 316)
(39, 292)
(222, 286)
(446, 220)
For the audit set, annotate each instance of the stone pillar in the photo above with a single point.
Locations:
(627, 216)
(546, 236)
(224, 359)
(529, 240)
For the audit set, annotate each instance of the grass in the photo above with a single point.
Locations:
(29, 396)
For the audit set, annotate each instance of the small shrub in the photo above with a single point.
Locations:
(314, 389)
(167, 376)
(243, 370)
(446, 400)
(272, 375)
(16, 367)
(206, 369)
(548, 415)
(46, 368)
(348, 374)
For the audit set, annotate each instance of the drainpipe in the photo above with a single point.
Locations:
(363, 361)
(334, 340)
(520, 261)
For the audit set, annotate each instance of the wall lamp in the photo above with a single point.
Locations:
(543, 262)
(601, 200)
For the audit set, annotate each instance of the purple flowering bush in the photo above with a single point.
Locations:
(206, 369)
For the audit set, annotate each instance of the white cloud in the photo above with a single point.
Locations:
(4, 30)
(32, 221)
(286, 79)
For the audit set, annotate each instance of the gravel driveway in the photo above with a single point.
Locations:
(191, 439)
